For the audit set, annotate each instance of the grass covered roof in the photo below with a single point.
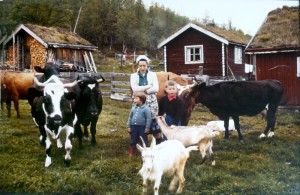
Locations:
(57, 35)
(280, 29)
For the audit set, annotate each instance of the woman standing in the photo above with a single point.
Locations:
(146, 81)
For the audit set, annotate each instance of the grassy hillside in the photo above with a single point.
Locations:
(270, 166)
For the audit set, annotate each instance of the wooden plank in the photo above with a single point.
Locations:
(93, 62)
(86, 57)
(120, 74)
(119, 97)
(123, 83)
(105, 85)
(106, 94)
(120, 90)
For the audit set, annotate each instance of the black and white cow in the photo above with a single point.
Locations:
(35, 93)
(53, 112)
(88, 106)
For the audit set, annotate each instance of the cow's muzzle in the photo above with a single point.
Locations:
(54, 122)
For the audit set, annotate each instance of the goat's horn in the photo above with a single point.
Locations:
(37, 83)
(144, 145)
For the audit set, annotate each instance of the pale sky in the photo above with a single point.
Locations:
(247, 15)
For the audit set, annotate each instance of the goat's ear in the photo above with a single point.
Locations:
(153, 143)
(140, 148)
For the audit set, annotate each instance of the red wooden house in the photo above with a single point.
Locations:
(275, 51)
(219, 52)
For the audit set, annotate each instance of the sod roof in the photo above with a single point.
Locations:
(57, 35)
(280, 29)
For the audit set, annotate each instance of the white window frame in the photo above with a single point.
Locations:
(192, 58)
(238, 55)
(298, 66)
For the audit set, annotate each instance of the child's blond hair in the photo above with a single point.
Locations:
(170, 83)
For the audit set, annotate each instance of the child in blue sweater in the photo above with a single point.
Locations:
(139, 121)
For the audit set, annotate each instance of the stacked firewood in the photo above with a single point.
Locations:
(37, 52)
(10, 56)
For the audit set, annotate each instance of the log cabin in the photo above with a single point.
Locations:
(32, 45)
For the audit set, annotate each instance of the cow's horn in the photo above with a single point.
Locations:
(71, 84)
(37, 83)
(193, 84)
(101, 79)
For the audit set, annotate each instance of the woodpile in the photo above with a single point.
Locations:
(37, 52)
(10, 56)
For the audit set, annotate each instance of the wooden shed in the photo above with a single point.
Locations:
(275, 51)
(217, 51)
(33, 45)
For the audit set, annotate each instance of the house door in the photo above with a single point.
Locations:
(27, 58)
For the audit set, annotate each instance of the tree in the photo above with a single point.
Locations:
(163, 22)
(132, 25)
(42, 12)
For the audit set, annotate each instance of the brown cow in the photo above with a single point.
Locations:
(162, 77)
(14, 86)
(189, 102)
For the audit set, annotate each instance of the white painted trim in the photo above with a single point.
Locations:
(196, 27)
(165, 58)
(223, 60)
(298, 66)
(22, 26)
(268, 52)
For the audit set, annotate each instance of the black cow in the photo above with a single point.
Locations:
(49, 70)
(88, 106)
(52, 111)
(237, 98)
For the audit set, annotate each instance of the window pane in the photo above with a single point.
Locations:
(194, 54)
(238, 55)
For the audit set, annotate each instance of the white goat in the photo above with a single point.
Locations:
(193, 135)
(168, 157)
(219, 125)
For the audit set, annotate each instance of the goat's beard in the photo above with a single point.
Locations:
(147, 174)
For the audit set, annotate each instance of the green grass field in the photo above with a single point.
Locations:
(269, 166)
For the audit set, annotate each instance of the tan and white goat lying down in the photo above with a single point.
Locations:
(168, 157)
(190, 135)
